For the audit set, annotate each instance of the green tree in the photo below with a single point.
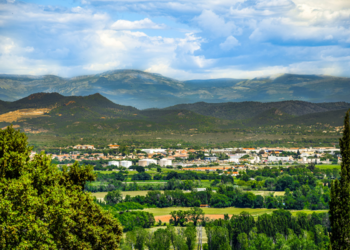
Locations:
(339, 205)
(42, 207)
(140, 235)
(243, 241)
(113, 197)
(160, 240)
(190, 237)
(195, 215)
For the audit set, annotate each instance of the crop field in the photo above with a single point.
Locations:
(266, 193)
(99, 195)
(209, 210)
(294, 212)
(228, 210)
(328, 166)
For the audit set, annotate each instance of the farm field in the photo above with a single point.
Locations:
(209, 210)
(227, 210)
(328, 166)
(266, 193)
(101, 195)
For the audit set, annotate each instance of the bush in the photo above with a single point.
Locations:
(128, 206)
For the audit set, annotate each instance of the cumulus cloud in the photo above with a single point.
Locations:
(190, 39)
(142, 24)
(229, 43)
(216, 25)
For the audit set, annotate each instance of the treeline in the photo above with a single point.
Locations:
(161, 239)
(119, 185)
(130, 219)
(279, 230)
(227, 196)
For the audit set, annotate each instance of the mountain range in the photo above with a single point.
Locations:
(92, 114)
(144, 90)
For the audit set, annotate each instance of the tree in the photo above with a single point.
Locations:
(113, 197)
(140, 169)
(195, 215)
(42, 207)
(339, 205)
(179, 217)
(160, 240)
(243, 241)
(190, 237)
(140, 235)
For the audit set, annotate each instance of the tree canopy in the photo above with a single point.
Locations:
(340, 196)
(42, 207)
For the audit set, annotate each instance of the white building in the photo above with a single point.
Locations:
(154, 150)
(256, 159)
(84, 147)
(165, 162)
(146, 162)
(113, 163)
(126, 164)
(277, 158)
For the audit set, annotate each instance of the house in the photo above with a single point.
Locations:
(199, 189)
(84, 147)
(113, 146)
(154, 150)
(277, 158)
(235, 173)
(146, 162)
(211, 158)
(126, 164)
(165, 162)
(113, 163)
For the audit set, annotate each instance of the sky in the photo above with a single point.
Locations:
(183, 39)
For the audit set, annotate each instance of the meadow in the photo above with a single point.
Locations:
(328, 166)
(227, 210)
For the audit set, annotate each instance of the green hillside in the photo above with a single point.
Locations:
(246, 110)
(95, 118)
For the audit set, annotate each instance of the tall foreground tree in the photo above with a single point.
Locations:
(44, 208)
(340, 196)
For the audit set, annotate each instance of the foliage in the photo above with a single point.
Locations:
(340, 195)
(113, 197)
(44, 208)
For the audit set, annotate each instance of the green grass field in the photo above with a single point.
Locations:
(227, 210)
(209, 210)
(328, 166)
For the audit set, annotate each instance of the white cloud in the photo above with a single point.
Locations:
(142, 24)
(211, 22)
(285, 29)
(229, 43)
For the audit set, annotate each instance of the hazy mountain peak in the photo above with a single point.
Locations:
(148, 90)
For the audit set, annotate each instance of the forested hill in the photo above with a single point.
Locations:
(52, 112)
(246, 110)
(148, 90)
(95, 102)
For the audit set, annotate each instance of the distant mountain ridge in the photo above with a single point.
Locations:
(150, 90)
(246, 110)
(93, 114)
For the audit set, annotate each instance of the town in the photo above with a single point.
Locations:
(198, 159)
